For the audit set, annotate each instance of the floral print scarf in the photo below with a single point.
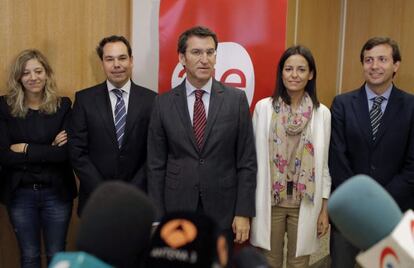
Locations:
(299, 168)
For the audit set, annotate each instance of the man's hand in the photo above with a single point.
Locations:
(241, 229)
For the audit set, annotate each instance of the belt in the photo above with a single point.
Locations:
(35, 186)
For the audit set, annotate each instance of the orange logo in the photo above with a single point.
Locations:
(178, 232)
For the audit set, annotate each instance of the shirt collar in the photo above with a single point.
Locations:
(372, 95)
(125, 88)
(189, 88)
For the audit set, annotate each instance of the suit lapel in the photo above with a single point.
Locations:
(360, 106)
(133, 111)
(216, 99)
(391, 112)
(180, 101)
(103, 106)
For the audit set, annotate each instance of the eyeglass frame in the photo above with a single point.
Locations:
(198, 53)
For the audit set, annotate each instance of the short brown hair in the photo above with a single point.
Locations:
(376, 41)
(112, 39)
(199, 31)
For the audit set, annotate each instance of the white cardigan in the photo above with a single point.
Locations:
(307, 241)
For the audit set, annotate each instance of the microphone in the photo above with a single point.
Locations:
(77, 260)
(187, 239)
(370, 219)
(115, 225)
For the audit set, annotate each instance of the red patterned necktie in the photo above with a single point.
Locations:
(199, 118)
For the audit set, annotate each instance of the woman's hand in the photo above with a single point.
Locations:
(19, 147)
(61, 139)
(323, 219)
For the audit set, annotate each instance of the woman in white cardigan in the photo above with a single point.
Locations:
(292, 132)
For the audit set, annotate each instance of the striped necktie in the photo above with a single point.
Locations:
(120, 115)
(375, 115)
(199, 118)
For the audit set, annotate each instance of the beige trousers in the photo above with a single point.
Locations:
(284, 220)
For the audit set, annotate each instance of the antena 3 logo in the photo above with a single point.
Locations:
(234, 67)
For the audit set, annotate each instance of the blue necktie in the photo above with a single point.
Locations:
(120, 116)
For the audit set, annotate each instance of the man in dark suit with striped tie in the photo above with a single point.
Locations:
(201, 153)
(108, 133)
(373, 134)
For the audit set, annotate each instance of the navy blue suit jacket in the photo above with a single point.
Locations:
(390, 158)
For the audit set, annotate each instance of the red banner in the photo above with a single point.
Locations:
(251, 38)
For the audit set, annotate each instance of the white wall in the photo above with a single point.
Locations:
(144, 41)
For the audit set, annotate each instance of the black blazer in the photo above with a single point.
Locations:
(390, 159)
(222, 174)
(93, 145)
(42, 159)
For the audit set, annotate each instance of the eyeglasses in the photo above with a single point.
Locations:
(198, 53)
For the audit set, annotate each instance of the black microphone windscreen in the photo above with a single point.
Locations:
(116, 224)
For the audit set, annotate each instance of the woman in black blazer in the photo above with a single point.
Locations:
(38, 185)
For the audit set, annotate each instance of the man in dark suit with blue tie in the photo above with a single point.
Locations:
(108, 133)
(201, 153)
(373, 134)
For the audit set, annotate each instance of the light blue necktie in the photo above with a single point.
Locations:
(120, 115)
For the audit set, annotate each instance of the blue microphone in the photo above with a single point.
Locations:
(77, 260)
(363, 211)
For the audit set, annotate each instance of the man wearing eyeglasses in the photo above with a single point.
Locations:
(201, 153)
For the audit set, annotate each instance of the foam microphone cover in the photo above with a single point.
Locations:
(115, 224)
(363, 211)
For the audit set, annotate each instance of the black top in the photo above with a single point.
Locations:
(43, 162)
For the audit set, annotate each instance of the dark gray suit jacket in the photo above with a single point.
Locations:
(93, 145)
(390, 159)
(222, 174)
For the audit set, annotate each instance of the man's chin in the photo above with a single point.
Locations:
(204, 76)
(118, 82)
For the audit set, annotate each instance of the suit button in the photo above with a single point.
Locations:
(201, 161)
(373, 167)
(196, 187)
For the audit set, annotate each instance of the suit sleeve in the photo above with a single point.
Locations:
(401, 186)
(78, 148)
(157, 158)
(140, 177)
(339, 166)
(246, 162)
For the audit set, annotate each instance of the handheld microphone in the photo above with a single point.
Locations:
(77, 260)
(367, 215)
(115, 225)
